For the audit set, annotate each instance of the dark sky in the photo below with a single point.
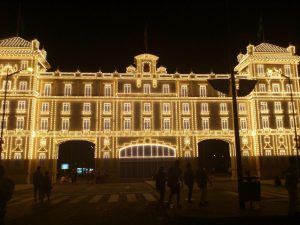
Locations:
(202, 36)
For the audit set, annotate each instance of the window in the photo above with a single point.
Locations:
(20, 123)
(127, 88)
(278, 107)
(127, 124)
(185, 108)
(17, 155)
(242, 108)
(4, 122)
(86, 107)
(47, 89)
(45, 107)
(221, 94)
(146, 67)
(44, 124)
(66, 107)
(21, 106)
(42, 155)
(205, 123)
(5, 106)
(8, 87)
(65, 124)
(275, 88)
(287, 70)
(263, 106)
(147, 107)
(260, 69)
(262, 87)
(204, 108)
(288, 88)
(86, 124)
(186, 124)
(202, 91)
(224, 123)
(107, 107)
(281, 152)
(127, 107)
(243, 124)
(279, 122)
(146, 88)
(265, 122)
(68, 90)
(106, 124)
(292, 122)
(166, 124)
(268, 153)
(166, 88)
(88, 90)
(107, 90)
(23, 86)
(291, 107)
(223, 108)
(147, 125)
(24, 64)
(166, 108)
(184, 91)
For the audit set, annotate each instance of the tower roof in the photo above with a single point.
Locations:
(15, 42)
(266, 47)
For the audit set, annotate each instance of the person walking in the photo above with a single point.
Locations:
(7, 187)
(160, 184)
(46, 187)
(188, 178)
(174, 182)
(291, 181)
(37, 180)
(202, 178)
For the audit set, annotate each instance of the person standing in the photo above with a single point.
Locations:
(175, 182)
(46, 187)
(6, 192)
(202, 178)
(160, 184)
(189, 180)
(291, 181)
(74, 176)
(37, 180)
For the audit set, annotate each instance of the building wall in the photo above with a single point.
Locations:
(97, 105)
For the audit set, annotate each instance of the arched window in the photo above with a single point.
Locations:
(147, 151)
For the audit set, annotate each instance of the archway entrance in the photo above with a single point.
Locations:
(214, 155)
(78, 155)
(142, 161)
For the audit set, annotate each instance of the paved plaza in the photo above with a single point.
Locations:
(135, 203)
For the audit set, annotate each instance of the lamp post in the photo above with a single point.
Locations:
(4, 105)
(245, 88)
(294, 118)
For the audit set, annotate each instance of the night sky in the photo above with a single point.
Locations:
(202, 36)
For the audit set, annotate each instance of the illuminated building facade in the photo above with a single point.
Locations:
(145, 112)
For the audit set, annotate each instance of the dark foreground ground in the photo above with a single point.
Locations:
(135, 203)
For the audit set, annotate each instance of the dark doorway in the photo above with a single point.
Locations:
(214, 155)
(78, 155)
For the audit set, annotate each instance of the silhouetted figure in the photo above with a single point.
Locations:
(189, 178)
(175, 182)
(291, 181)
(160, 184)
(277, 181)
(202, 178)
(6, 192)
(46, 187)
(37, 180)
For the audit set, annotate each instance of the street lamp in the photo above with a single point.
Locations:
(4, 105)
(245, 88)
(294, 117)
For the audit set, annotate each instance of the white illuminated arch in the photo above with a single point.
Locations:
(147, 151)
